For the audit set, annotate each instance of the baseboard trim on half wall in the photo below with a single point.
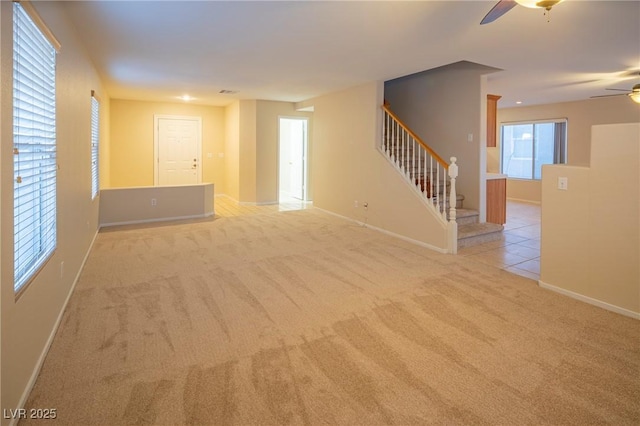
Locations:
(590, 300)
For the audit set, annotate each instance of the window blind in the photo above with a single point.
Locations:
(95, 140)
(34, 149)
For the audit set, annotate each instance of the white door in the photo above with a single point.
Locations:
(178, 151)
(293, 147)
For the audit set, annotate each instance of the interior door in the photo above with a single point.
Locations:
(178, 154)
(293, 146)
(297, 158)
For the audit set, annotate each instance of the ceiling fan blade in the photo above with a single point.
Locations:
(620, 90)
(608, 96)
(502, 7)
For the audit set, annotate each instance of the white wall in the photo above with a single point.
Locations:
(29, 321)
(347, 166)
(591, 232)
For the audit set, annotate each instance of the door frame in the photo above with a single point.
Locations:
(156, 143)
(305, 159)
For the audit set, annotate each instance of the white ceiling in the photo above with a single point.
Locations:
(296, 50)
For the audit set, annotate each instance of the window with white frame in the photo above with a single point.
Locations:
(34, 145)
(526, 146)
(95, 140)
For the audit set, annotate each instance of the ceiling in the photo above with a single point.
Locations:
(296, 50)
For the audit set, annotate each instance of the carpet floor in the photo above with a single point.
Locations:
(304, 318)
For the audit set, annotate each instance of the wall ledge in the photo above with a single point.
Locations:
(590, 300)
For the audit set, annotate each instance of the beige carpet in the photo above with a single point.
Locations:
(304, 318)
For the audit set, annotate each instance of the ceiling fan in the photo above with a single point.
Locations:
(503, 6)
(634, 93)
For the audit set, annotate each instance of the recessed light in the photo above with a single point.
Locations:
(186, 98)
(518, 102)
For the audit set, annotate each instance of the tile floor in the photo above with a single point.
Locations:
(519, 249)
(226, 207)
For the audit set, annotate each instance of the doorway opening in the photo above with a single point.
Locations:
(292, 168)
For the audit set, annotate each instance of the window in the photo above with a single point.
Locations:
(34, 146)
(95, 139)
(527, 146)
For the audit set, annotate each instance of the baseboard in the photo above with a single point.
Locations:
(591, 301)
(247, 203)
(54, 330)
(520, 200)
(387, 232)
(161, 219)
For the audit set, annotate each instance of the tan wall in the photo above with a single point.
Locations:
(443, 106)
(591, 232)
(28, 322)
(132, 141)
(524, 190)
(581, 115)
(232, 151)
(247, 152)
(347, 166)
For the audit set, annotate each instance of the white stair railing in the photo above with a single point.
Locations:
(423, 168)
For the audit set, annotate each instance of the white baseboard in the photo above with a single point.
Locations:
(590, 300)
(247, 203)
(384, 231)
(54, 330)
(161, 219)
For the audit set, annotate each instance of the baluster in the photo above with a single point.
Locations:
(385, 136)
(402, 153)
(437, 188)
(393, 141)
(427, 182)
(443, 196)
(428, 192)
(416, 148)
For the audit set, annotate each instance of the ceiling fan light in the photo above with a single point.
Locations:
(635, 94)
(544, 4)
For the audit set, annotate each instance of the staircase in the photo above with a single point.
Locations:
(434, 179)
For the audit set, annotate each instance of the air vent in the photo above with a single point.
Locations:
(228, 92)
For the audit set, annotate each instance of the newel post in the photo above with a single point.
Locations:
(453, 174)
(452, 226)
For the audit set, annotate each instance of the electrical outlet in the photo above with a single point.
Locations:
(365, 205)
(355, 204)
(153, 202)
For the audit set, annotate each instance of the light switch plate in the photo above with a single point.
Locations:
(563, 183)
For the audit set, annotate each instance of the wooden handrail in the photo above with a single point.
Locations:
(416, 137)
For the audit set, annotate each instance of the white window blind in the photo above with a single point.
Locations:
(95, 140)
(34, 149)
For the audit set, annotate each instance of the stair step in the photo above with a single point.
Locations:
(466, 216)
(478, 233)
